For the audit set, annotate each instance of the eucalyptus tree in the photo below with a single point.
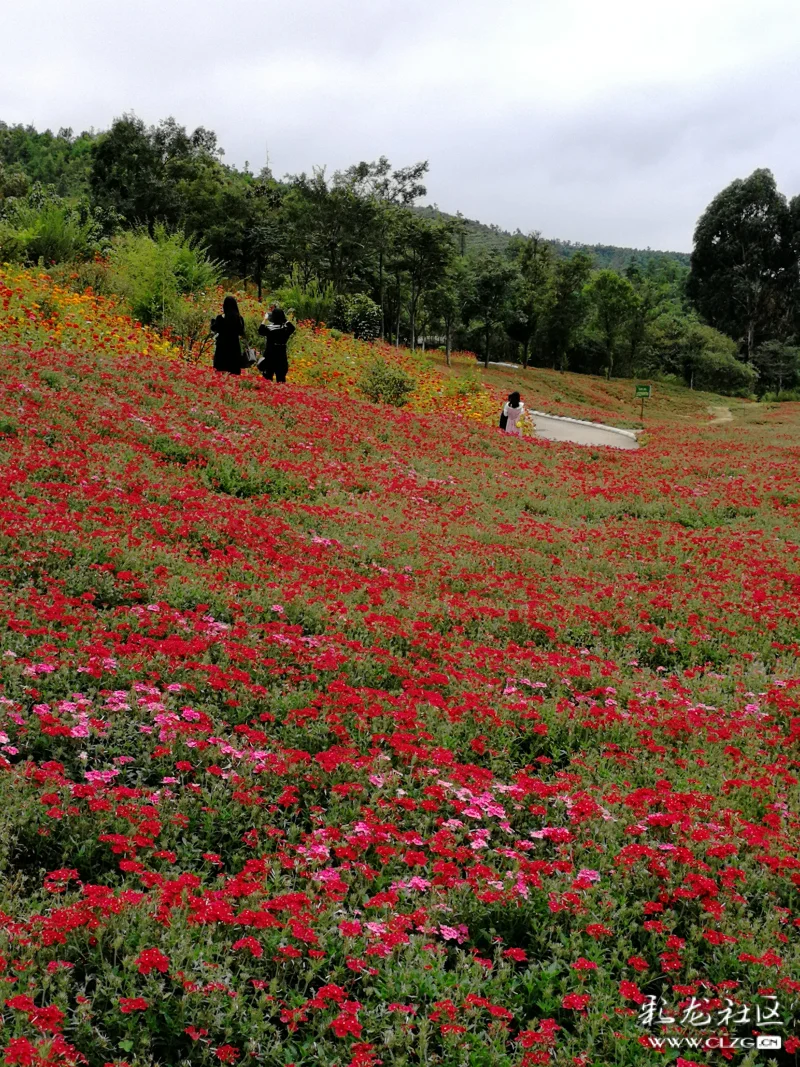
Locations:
(387, 189)
(492, 288)
(744, 264)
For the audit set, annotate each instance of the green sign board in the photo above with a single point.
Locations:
(643, 391)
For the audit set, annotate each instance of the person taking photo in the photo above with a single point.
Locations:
(277, 329)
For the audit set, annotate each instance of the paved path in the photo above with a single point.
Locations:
(556, 428)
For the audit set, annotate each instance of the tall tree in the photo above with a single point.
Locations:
(388, 189)
(534, 291)
(778, 365)
(613, 301)
(568, 310)
(494, 277)
(423, 251)
(448, 300)
(126, 171)
(744, 265)
(329, 230)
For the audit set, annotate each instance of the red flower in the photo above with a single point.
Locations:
(575, 1001)
(254, 947)
(152, 959)
(582, 964)
(20, 1051)
(517, 954)
(127, 1005)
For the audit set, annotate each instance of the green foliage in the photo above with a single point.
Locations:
(61, 161)
(173, 451)
(42, 227)
(492, 288)
(386, 384)
(153, 272)
(224, 475)
(307, 301)
(357, 314)
(744, 276)
(786, 396)
(8, 427)
(613, 301)
(14, 182)
(468, 384)
(778, 366)
(715, 368)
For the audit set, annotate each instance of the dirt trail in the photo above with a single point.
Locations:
(556, 428)
(720, 413)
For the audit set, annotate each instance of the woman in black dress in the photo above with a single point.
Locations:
(229, 327)
(277, 330)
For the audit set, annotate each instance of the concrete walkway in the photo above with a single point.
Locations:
(579, 432)
(559, 428)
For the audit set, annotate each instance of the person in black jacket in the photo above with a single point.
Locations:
(229, 327)
(277, 330)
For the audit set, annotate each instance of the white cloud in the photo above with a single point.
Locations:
(609, 122)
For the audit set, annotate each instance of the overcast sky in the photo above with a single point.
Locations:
(612, 122)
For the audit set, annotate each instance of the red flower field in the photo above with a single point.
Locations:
(334, 734)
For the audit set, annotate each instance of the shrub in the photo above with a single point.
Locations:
(187, 323)
(307, 301)
(785, 395)
(720, 372)
(357, 314)
(152, 273)
(383, 383)
(50, 232)
(467, 384)
(709, 362)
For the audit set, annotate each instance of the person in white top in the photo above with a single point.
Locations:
(512, 413)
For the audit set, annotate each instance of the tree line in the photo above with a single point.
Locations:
(354, 249)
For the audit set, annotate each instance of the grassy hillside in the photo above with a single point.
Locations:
(480, 236)
(338, 735)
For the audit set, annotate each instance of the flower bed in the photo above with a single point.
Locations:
(329, 739)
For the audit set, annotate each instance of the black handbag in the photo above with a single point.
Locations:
(503, 419)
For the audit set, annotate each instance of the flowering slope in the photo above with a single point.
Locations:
(337, 735)
(38, 312)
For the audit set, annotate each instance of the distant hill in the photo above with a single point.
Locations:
(482, 237)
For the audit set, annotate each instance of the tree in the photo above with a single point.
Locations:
(423, 251)
(778, 365)
(447, 302)
(744, 264)
(568, 310)
(126, 172)
(493, 279)
(613, 300)
(329, 230)
(534, 293)
(387, 189)
(710, 362)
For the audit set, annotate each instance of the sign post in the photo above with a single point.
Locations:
(643, 391)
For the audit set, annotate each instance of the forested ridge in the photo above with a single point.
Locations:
(481, 236)
(155, 214)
